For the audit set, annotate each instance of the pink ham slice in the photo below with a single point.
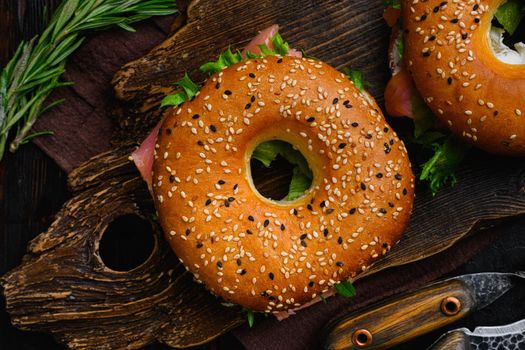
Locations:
(143, 156)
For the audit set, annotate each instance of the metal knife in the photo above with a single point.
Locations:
(509, 337)
(410, 315)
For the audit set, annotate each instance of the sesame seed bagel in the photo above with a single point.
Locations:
(266, 255)
(480, 98)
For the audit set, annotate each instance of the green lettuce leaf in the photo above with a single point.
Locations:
(345, 289)
(302, 176)
(440, 169)
(356, 77)
(189, 90)
(394, 3)
(445, 151)
(226, 59)
(510, 14)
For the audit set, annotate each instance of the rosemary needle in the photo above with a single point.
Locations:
(36, 67)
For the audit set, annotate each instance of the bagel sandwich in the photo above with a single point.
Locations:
(351, 190)
(458, 68)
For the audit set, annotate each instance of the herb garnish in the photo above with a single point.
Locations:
(510, 14)
(36, 67)
(345, 289)
(250, 316)
(356, 76)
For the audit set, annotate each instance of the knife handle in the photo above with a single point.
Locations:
(400, 319)
(452, 341)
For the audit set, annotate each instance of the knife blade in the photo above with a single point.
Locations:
(412, 314)
(509, 337)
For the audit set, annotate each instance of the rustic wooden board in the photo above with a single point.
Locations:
(343, 33)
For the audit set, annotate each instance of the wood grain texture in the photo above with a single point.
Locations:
(400, 319)
(370, 64)
(331, 30)
(64, 286)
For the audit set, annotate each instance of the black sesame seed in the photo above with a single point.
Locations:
(385, 245)
(217, 86)
(283, 227)
(251, 218)
(348, 105)
(239, 262)
(310, 119)
(311, 284)
(325, 232)
(266, 223)
(227, 92)
(249, 232)
(476, 7)
(188, 231)
(235, 187)
(436, 9)
(208, 202)
(195, 116)
(464, 36)
(342, 145)
(455, 20)
(335, 101)
(426, 54)
(379, 175)
(322, 204)
(339, 264)
(303, 236)
(200, 143)
(432, 38)
(280, 60)
(382, 211)
(363, 186)
(248, 106)
(295, 212)
(397, 176)
(172, 179)
(309, 207)
(495, 113)
(219, 264)
(330, 210)
(352, 211)
(243, 272)
(390, 204)
(387, 148)
(251, 75)
(424, 17)
(221, 182)
(303, 243)
(340, 240)
(252, 99)
(477, 20)
(168, 131)
(443, 3)
(271, 276)
(199, 245)
(385, 129)
(226, 204)
(213, 128)
(355, 124)
(405, 191)
(231, 199)
(450, 80)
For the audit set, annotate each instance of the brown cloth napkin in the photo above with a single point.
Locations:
(83, 128)
(82, 125)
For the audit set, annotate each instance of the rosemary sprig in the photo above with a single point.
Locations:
(36, 67)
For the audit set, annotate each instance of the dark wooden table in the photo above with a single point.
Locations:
(33, 188)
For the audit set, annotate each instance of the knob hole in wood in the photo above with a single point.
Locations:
(127, 243)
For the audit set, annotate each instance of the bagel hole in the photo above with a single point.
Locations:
(509, 40)
(289, 165)
(127, 243)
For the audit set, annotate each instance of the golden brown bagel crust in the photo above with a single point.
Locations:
(264, 255)
(480, 98)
